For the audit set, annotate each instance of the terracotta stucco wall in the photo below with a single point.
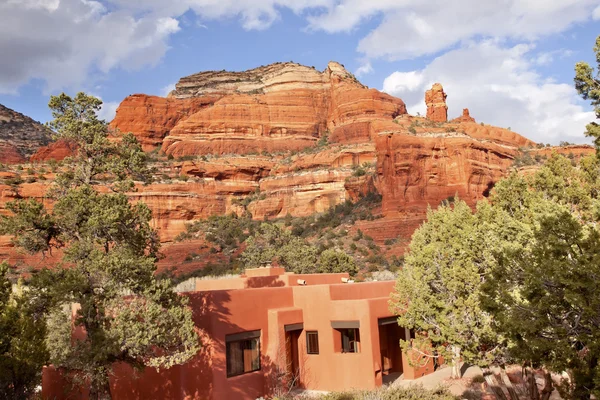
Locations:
(219, 313)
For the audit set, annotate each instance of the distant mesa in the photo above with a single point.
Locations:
(278, 107)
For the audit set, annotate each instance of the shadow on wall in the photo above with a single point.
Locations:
(203, 377)
(264, 281)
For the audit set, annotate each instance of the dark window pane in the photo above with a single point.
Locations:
(243, 356)
(350, 340)
(312, 342)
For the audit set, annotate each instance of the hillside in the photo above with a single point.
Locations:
(287, 142)
(20, 136)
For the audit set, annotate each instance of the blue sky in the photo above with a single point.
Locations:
(510, 62)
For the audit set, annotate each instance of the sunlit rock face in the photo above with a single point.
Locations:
(280, 107)
(286, 139)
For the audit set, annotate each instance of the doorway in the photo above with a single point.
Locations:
(390, 335)
(292, 338)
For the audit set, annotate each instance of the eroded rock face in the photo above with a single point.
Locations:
(9, 154)
(280, 107)
(227, 121)
(436, 163)
(151, 118)
(57, 151)
(20, 136)
(435, 99)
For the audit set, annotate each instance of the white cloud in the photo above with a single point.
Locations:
(164, 92)
(546, 58)
(108, 111)
(411, 28)
(364, 69)
(62, 41)
(500, 86)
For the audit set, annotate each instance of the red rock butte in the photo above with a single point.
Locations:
(295, 135)
(280, 107)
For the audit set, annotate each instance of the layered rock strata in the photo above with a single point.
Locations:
(281, 107)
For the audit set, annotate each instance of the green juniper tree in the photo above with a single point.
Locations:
(22, 350)
(588, 86)
(109, 252)
(437, 292)
(542, 288)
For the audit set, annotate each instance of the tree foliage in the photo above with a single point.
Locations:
(520, 273)
(542, 287)
(438, 290)
(335, 261)
(109, 250)
(115, 161)
(588, 86)
(273, 242)
(22, 350)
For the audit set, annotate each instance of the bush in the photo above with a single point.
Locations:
(333, 261)
(397, 393)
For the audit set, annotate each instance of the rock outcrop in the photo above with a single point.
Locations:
(465, 117)
(20, 136)
(288, 139)
(435, 99)
(151, 118)
(57, 151)
(280, 107)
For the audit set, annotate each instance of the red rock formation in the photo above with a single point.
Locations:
(416, 162)
(576, 150)
(280, 107)
(22, 133)
(436, 163)
(435, 99)
(465, 117)
(300, 194)
(239, 124)
(9, 154)
(58, 151)
(151, 118)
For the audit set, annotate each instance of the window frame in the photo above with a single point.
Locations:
(356, 340)
(308, 347)
(238, 339)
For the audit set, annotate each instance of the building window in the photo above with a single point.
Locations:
(350, 340)
(243, 353)
(312, 342)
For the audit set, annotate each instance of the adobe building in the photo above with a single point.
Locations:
(269, 331)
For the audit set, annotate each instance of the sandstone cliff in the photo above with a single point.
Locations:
(288, 140)
(280, 107)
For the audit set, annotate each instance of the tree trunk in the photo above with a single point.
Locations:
(100, 389)
(548, 387)
(533, 389)
(456, 372)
